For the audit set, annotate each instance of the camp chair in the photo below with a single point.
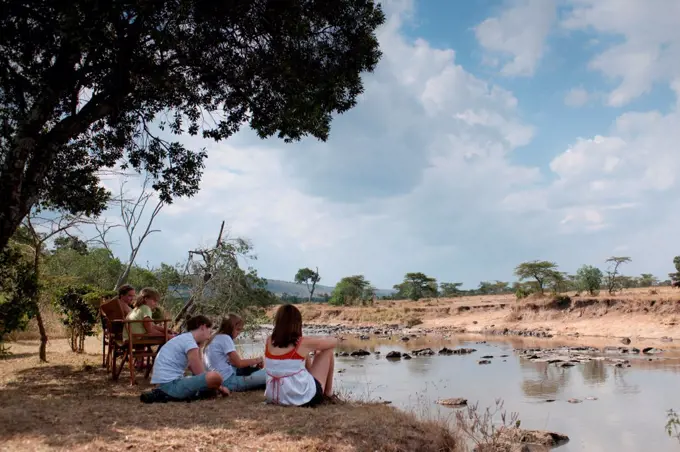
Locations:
(140, 346)
(112, 337)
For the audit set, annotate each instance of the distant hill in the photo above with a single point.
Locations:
(300, 290)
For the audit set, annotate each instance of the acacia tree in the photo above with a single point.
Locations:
(613, 278)
(589, 278)
(352, 290)
(675, 276)
(450, 289)
(416, 286)
(540, 271)
(309, 277)
(86, 86)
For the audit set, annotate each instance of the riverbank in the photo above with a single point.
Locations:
(70, 404)
(646, 316)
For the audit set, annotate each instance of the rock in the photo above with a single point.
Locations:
(474, 322)
(567, 364)
(591, 398)
(487, 357)
(574, 401)
(406, 356)
(343, 354)
(549, 400)
(405, 338)
(625, 341)
(510, 447)
(446, 351)
(363, 337)
(423, 352)
(393, 355)
(504, 356)
(359, 352)
(651, 350)
(456, 401)
(463, 351)
(540, 437)
(484, 361)
(377, 352)
(666, 339)
(635, 350)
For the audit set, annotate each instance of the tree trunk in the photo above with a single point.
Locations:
(43, 336)
(36, 305)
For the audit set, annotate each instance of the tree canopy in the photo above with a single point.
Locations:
(540, 271)
(88, 86)
(308, 277)
(416, 286)
(589, 279)
(352, 290)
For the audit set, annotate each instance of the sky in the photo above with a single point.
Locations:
(492, 132)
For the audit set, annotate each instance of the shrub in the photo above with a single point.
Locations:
(18, 285)
(589, 278)
(413, 321)
(79, 306)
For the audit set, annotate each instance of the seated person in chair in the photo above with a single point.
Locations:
(144, 305)
(180, 352)
(126, 298)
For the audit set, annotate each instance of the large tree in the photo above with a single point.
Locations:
(308, 277)
(540, 271)
(613, 279)
(352, 290)
(86, 86)
(416, 286)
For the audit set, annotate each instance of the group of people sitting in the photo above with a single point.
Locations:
(295, 370)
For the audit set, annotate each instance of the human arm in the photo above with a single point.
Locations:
(238, 362)
(195, 362)
(313, 343)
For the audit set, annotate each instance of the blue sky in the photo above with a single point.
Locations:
(492, 132)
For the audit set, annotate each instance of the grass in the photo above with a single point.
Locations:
(70, 404)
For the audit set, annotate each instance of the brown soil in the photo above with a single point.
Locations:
(643, 314)
(71, 404)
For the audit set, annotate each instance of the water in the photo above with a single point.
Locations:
(628, 415)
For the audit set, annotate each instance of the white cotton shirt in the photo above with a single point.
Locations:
(172, 360)
(216, 358)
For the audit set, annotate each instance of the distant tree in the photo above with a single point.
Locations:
(308, 277)
(557, 282)
(485, 287)
(70, 242)
(85, 85)
(647, 280)
(450, 289)
(416, 286)
(540, 271)
(589, 278)
(675, 276)
(612, 280)
(351, 290)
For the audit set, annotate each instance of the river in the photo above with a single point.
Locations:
(621, 409)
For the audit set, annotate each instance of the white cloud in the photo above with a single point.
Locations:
(576, 97)
(518, 34)
(650, 51)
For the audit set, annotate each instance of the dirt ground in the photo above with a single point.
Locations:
(71, 404)
(645, 315)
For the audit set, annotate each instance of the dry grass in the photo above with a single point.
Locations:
(70, 404)
(53, 325)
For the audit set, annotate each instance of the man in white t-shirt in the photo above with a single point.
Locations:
(180, 352)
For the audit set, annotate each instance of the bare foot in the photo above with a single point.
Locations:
(225, 391)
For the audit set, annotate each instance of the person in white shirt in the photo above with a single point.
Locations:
(220, 355)
(180, 352)
(293, 377)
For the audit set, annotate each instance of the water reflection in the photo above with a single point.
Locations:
(628, 415)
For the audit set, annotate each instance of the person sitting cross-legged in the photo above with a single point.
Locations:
(180, 352)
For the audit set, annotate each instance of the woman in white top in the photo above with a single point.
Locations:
(293, 377)
(220, 355)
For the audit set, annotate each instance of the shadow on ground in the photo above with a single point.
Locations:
(77, 407)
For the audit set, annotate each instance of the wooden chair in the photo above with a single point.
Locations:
(140, 346)
(112, 338)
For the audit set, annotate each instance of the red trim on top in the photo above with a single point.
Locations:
(293, 354)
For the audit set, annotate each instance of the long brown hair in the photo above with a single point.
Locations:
(229, 323)
(147, 292)
(287, 326)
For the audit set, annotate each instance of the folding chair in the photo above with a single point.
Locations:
(140, 346)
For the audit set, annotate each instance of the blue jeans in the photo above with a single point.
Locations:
(256, 380)
(186, 387)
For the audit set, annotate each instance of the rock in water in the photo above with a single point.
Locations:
(423, 352)
(567, 364)
(541, 437)
(574, 401)
(625, 341)
(484, 361)
(487, 357)
(406, 356)
(405, 338)
(393, 355)
(456, 401)
(360, 352)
